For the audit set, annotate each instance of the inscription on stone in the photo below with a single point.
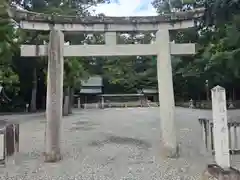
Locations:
(2, 146)
(221, 139)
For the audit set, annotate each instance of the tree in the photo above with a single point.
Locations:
(8, 46)
(74, 72)
(132, 73)
(74, 7)
(218, 46)
(166, 6)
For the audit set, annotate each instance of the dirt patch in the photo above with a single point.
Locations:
(118, 140)
(81, 122)
(83, 125)
(82, 128)
(97, 143)
(128, 141)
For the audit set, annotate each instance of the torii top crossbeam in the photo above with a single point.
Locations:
(39, 21)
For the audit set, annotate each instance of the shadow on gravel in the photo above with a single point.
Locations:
(82, 128)
(118, 140)
(81, 122)
(83, 125)
(89, 123)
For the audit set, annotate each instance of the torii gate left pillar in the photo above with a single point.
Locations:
(166, 95)
(54, 96)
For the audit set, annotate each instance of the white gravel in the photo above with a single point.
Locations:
(110, 144)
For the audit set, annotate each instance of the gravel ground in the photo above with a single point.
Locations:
(114, 144)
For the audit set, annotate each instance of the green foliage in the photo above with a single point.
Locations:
(132, 73)
(74, 71)
(166, 6)
(9, 80)
(8, 46)
(216, 34)
(217, 38)
(11, 38)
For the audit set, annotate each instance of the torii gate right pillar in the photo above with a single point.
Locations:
(166, 95)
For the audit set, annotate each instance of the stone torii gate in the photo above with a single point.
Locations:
(56, 51)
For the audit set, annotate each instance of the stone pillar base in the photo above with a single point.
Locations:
(215, 172)
(16, 147)
(52, 157)
(167, 152)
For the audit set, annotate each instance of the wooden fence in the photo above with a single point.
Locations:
(234, 134)
(207, 104)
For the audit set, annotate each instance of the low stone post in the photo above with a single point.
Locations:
(27, 106)
(2, 146)
(79, 103)
(230, 104)
(222, 169)
(191, 105)
(102, 102)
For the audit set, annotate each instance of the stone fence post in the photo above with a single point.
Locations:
(222, 169)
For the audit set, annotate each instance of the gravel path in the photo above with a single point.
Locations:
(114, 144)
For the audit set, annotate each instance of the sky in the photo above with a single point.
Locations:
(127, 8)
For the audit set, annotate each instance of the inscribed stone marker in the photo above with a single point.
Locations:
(2, 147)
(221, 138)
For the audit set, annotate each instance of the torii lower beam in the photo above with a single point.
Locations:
(109, 50)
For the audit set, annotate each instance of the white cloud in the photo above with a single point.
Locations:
(125, 8)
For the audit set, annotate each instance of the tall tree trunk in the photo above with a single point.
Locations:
(33, 106)
(71, 99)
(66, 101)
